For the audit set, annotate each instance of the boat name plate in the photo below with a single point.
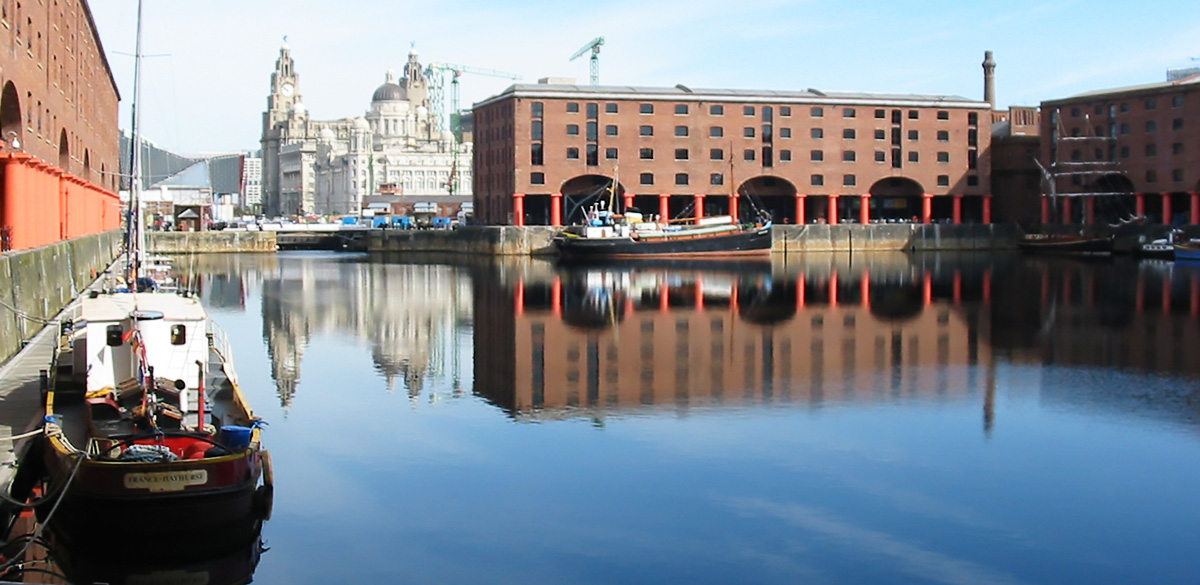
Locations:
(166, 481)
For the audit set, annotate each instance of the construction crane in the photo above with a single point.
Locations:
(594, 47)
(437, 73)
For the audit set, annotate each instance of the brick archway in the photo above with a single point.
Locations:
(770, 195)
(582, 191)
(64, 151)
(896, 198)
(10, 116)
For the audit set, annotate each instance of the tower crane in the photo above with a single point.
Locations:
(594, 47)
(436, 73)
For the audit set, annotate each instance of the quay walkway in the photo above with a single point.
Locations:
(21, 406)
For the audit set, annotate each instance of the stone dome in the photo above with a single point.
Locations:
(360, 123)
(390, 91)
(327, 135)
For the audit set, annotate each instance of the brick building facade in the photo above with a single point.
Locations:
(542, 150)
(58, 124)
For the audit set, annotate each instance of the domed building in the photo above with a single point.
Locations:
(392, 159)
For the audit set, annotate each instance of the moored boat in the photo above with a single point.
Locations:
(605, 235)
(1187, 250)
(1066, 243)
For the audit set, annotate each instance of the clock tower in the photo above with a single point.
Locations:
(277, 129)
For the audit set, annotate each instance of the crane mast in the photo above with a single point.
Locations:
(445, 112)
(594, 47)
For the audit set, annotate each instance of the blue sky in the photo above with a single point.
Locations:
(206, 87)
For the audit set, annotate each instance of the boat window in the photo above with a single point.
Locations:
(178, 334)
(113, 336)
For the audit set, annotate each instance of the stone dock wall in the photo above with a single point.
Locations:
(210, 242)
(36, 284)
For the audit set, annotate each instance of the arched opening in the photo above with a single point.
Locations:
(896, 199)
(1121, 205)
(10, 117)
(87, 165)
(64, 151)
(769, 197)
(764, 301)
(896, 302)
(582, 192)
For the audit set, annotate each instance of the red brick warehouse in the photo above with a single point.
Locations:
(59, 144)
(802, 156)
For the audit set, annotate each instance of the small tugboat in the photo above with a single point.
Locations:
(1187, 250)
(605, 235)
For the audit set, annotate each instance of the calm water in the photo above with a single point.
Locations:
(845, 419)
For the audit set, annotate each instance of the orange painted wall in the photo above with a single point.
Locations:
(41, 204)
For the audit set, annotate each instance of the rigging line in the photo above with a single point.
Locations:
(24, 315)
(37, 534)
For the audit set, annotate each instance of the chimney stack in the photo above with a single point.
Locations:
(989, 79)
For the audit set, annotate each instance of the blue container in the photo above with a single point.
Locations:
(235, 437)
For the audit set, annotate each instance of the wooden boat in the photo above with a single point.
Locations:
(145, 418)
(610, 236)
(1066, 243)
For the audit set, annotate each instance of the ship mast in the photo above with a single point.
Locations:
(137, 229)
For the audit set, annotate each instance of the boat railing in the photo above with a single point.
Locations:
(220, 344)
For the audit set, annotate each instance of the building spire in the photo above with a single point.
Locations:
(989, 79)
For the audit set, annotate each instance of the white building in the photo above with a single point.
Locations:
(395, 153)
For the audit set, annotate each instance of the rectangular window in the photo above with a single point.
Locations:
(1177, 175)
(881, 114)
(849, 180)
(848, 113)
(1177, 148)
(716, 132)
(785, 155)
(914, 135)
(895, 136)
(572, 153)
(1151, 126)
(537, 178)
(646, 130)
(848, 156)
(897, 160)
(881, 134)
(681, 154)
(818, 133)
(716, 154)
(972, 159)
(716, 179)
(536, 109)
(817, 180)
(681, 178)
(785, 132)
(1177, 101)
(572, 107)
(1124, 152)
(610, 108)
(593, 111)
(914, 114)
(768, 156)
(748, 110)
(973, 118)
(610, 130)
(943, 115)
(681, 130)
(716, 110)
(593, 155)
(816, 155)
(646, 179)
(646, 108)
(817, 112)
(943, 136)
(943, 157)
(768, 114)
(880, 156)
(943, 180)
(785, 111)
(535, 130)
(913, 156)
(681, 109)
(1151, 104)
(646, 154)
(848, 133)
(1151, 176)
(537, 155)
(748, 154)
(572, 129)
(1125, 128)
(972, 180)
(748, 132)
(1151, 150)
(1177, 124)
(610, 154)
(593, 130)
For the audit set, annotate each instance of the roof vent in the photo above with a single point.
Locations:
(816, 91)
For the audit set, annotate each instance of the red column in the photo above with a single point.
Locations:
(926, 207)
(664, 206)
(64, 210)
(14, 198)
(833, 290)
(628, 200)
(956, 290)
(987, 287)
(1066, 210)
(699, 293)
(927, 289)
(519, 296)
(664, 297)
(865, 285)
(519, 209)
(1045, 210)
(864, 208)
(1089, 207)
(800, 293)
(1166, 208)
(1195, 219)
(556, 209)
(956, 213)
(733, 206)
(833, 214)
(556, 296)
(1140, 199)
(987, 208)
(800, 220)
(698, 200)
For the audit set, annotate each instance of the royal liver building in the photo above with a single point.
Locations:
(397, 152)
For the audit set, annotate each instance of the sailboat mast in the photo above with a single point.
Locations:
(137, 240)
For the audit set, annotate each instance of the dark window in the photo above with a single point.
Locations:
(817, 180)
(610, 108)
(972, 159)
(681, 178)
(537, 178)
(646, 108)
(881, 114)
(817, 112)
(1177, 124)
(848, 156)
(536, 109)
(943, 115)
(943, 157)
(1151, 104)
(1151, 176)
(943, 180)
(537, 155)
(768, 114)
(973, 118)
(593, 111)
(535, 130)
(610, 153)
(1125, 128)
(895, 116)
(848, 133)
(1075, 112)
(914, 156)
(646, 154)
(592, 131)
(1151, 150)
(716, 179)
(716, 110)
(896, 136)
(572, 129)
(785, 155)
(681, 154)
(178, 334)
(896, 158)
(573, 153)
(572, 107)
(748, 132)
(1151, 126)
(716, 154)
(681, 130)
(1124, 107)
(1177, 175)
(880, 156)
(972, 180)
(681, 108)
(716, 132)
(768, 156)
(748, 154)
(849, 180)
(943, 136)
(646, 179)
(816, 155)
(593, 155)
(1177, 148)
(881, 134)
(914, 114)
(785, 111)
(785, 132)
(818, 133)
(748, 110)
(1177, 101)
(914, 135)
(646, 130)
(610, 130)
(848, 112)
(1124, 152)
